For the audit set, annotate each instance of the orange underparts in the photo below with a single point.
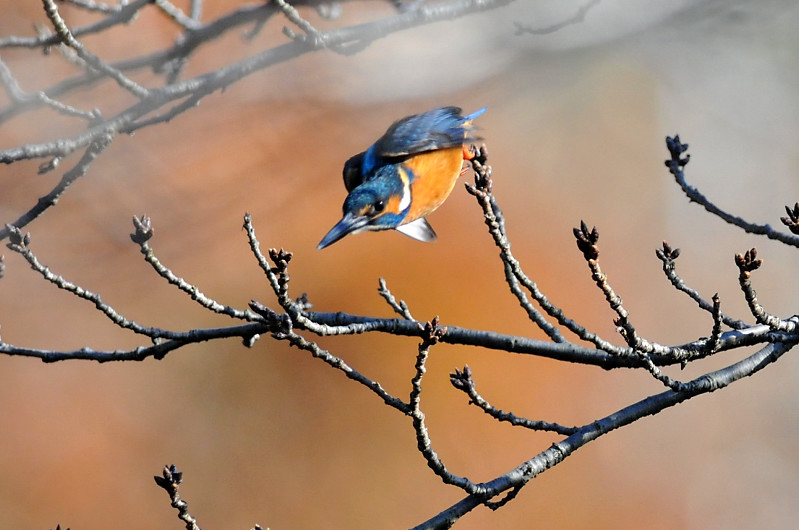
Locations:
(435, 173)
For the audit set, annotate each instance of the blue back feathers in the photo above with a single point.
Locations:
(439, 128)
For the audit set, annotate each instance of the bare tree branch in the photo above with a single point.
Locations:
(187, 93)
(668, 256)
(545, 460)
(676, 164)
(290, 319)
(92, 60)
(170, 480)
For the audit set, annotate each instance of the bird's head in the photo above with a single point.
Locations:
(380, 203)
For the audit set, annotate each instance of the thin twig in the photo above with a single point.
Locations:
(482, 191)
(533, 314)
(587, 243)
(278, 278)
(79, 170)
(65, 35)
(668, 256)
(281, 329)
(747, 263)
(294, 16)
(514, 275)
(462, 380)
(123, 15)
(165, 117)
(177, 15)
(19, 96)
(401, 308)
(20, 244)
(170, 480)
(432, 333)
(676, 164)
(142, 234)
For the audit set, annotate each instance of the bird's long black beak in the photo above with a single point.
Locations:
(349, 224)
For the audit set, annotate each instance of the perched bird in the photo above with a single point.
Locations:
(406, 174)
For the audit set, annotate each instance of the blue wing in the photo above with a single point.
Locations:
(435, 129)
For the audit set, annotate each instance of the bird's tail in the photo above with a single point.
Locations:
(469, 130)
(467, 119)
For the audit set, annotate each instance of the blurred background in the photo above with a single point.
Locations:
(575, 127)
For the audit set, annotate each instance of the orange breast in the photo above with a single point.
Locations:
(435, 175)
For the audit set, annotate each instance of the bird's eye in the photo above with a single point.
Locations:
(373, 209)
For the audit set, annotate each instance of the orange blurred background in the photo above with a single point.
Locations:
(575, 127)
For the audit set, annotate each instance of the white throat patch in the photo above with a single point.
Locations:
(405, 201)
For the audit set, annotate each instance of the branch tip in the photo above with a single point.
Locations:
(170, 478)
(280, 258)
(462, 379)
(587, 241)
(676, 149)
(16, 240)
(667, 253)
(748, 262)
(144, 230)
(792, 221)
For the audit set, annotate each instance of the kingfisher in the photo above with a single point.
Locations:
(405, 175)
